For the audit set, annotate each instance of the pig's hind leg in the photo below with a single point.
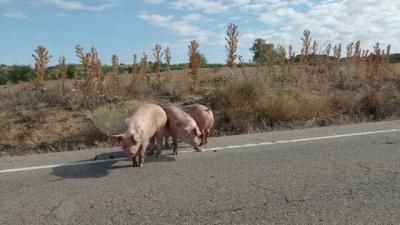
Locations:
(175, 145)
(152, 145)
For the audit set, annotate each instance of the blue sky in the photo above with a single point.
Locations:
(124, 27)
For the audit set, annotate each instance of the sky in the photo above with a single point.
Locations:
(127, 27)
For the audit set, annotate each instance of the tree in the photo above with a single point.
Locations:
(20, 73)
(203, 60)
(264, 53)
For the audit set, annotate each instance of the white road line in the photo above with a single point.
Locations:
(205, 150)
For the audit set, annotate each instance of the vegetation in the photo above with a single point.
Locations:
(264, 53)
(231, 45)
(42, 58)
(341, 84)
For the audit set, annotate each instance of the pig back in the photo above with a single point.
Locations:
(201, 114)
(150, 118)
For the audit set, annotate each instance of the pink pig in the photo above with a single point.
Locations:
(147, 123)
(181, 126)
(203, 117)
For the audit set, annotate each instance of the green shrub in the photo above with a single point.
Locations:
(3, 78)
(20, 73)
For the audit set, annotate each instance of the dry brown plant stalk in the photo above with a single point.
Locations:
(328, 50)
(62, 72)
(42, 58)
(95, 65)
(134, 68)
(231, 45)
(115, 80)
(144, 67)
(305, 51)
(349, 50)
(292, 54)
(157, 53)
(357, 52)
(314, 47)
(167, 56)
(282, 56)
(337, 51)
(115, 67)
(84, 60)
(241, 64)
(194, 60)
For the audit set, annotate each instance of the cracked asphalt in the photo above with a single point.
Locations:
(349, 180)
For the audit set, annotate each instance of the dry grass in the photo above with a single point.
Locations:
(322, 90)
(279, 97)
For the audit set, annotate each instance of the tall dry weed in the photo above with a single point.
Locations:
(231, 39)
(42, 59)
(158, 54)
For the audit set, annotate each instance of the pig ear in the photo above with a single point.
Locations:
(195, 132)
(117, 137)
(133, 139)
(187, 131)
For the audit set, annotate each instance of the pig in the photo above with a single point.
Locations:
(145, 125)
(204, 119)
(183, 127)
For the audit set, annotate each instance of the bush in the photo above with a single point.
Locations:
(71, 71)
(3, 78)
(253, 105)
(20, 73)
(109, 119)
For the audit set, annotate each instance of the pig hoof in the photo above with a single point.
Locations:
(111, 157)
(95, 158)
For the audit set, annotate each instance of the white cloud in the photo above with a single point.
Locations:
(183, 28)
(207, 6)
(77, 5)
(283, 21)
(344, 21)
(180, 27)
(153, 1)
(192, 17)
(15, 14)
(282, 15)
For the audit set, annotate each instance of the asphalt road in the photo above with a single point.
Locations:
(335, 175)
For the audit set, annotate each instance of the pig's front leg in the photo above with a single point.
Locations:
(134, 161)
(141, 152)
(202, 136)
(152, 143)
(206, 133)
(197, 148)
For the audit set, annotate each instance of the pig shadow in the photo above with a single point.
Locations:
(101, 169)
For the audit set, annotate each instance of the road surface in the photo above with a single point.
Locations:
(336, 175)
